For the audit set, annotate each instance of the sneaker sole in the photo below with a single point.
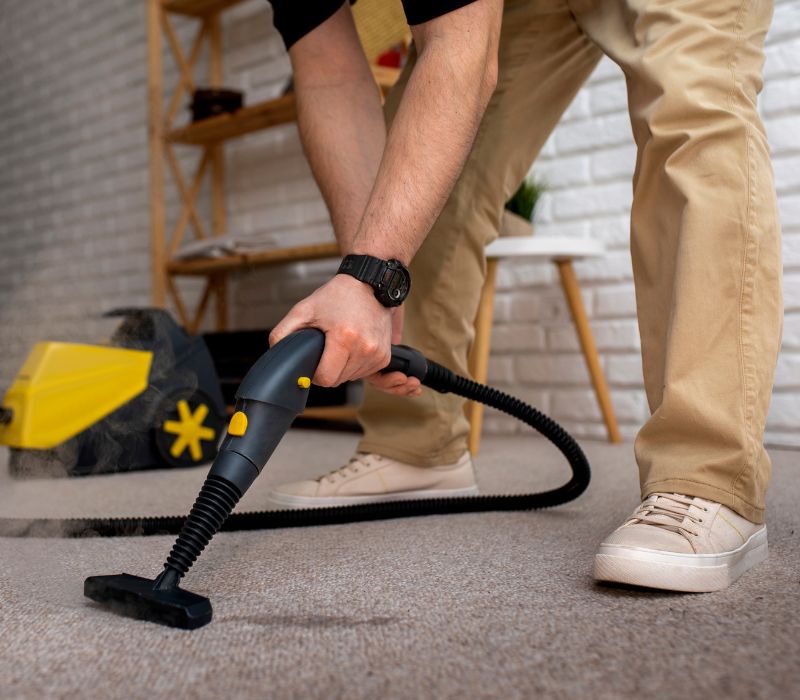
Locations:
(288, 501)
(689, 573)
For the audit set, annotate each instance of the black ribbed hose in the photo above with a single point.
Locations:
(218, 496)
(214, 504)
(445, 381)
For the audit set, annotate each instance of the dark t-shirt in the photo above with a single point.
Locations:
(294, 19)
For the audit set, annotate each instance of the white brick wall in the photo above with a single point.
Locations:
(74, 221)
(73, 170)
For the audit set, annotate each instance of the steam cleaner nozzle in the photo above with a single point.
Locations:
(143, 599)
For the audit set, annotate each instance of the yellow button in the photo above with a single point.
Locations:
(238, 424)
(303, 382)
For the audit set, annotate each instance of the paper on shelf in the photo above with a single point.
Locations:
(221, 246)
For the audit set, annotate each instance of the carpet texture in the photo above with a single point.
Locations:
(465, 606)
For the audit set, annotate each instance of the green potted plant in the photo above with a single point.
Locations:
(518, 214)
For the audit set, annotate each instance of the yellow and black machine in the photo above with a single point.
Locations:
(150, 398)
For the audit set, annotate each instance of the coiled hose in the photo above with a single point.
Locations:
(209, 514)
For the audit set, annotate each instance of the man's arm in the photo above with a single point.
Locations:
(429, 141)
(432, 133)
(340, 119)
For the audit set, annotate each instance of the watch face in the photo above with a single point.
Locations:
(398, 286)
(395, 283)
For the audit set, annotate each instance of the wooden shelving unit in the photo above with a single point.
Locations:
(209, 135)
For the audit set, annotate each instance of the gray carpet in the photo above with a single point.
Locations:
(467, 606)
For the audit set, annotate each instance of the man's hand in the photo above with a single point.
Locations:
(357, 327)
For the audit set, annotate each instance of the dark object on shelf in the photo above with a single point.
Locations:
(211, 102)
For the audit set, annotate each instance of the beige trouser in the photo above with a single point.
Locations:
(705, 238)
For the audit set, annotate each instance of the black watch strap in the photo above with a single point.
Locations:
(389, 279)
(364, 268)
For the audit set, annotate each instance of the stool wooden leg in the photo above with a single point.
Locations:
(479, 356)
(573, 293)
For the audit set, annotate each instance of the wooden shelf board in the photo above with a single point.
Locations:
(230, 263)
(198, 8)
(256, 117)
(261, 115)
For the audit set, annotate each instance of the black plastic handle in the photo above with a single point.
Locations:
(408, 361)
(271, 378)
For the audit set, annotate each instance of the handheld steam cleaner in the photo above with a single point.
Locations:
(270, 397)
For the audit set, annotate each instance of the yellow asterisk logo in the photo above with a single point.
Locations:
(190, 430)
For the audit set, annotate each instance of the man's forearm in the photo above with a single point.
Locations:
(432, 132)
(385, 195)
(340, 120)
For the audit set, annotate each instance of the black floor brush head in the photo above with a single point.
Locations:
(134, 596)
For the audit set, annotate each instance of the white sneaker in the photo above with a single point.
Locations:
(371, 478)
(681, 543)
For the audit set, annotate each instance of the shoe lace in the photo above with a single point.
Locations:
(671, 512)
(357, 462)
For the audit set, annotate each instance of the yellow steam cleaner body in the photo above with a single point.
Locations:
(151, 398)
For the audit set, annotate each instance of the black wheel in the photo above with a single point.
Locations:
(187, 428)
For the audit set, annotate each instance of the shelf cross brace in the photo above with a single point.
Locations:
(188, 211)
(186, 66)
(202, 305)
(180, 307)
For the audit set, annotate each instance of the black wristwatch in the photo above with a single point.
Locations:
(388, 278)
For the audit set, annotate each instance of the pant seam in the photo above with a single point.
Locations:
(745, 294)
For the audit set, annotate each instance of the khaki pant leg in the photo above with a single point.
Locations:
(544, 59)
(705, 239)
